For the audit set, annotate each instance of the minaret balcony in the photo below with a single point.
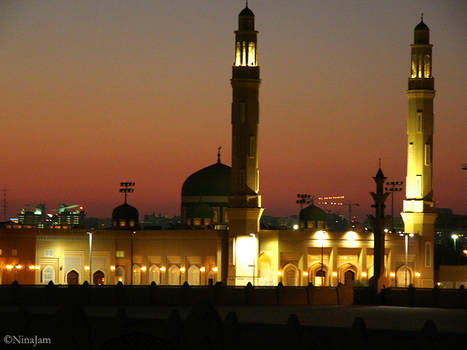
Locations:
(421, 84)
(245, 72)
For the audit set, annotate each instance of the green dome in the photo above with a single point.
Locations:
(246, 12)
(213, 180)
(202, 211)
(312, 213)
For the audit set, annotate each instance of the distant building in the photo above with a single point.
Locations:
(38, 216)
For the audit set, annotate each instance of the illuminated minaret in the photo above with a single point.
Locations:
(244, 202)
(419, 210)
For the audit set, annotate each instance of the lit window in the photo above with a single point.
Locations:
(427, 154)
(49, 253)
(243, 53)
(427, 72)
(132, 223)
(251, 54)
(207, 221)
(122, 223)
(14, 252)
(120, 253)
(48, 274)
(1, 252)
(427, 254)
(197, 222)
(418, 184)
(419, 122)
(238, 54)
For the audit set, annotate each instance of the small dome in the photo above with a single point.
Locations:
(312, 213)
(213, 180)
(125, 216)
(421, 26)
(246, 12)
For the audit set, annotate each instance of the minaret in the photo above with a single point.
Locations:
(419, 209)
(244, 202)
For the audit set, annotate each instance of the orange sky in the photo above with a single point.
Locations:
(98, 92)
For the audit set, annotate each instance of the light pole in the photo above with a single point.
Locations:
(394, 187)
(90, 257)
(406, 239)
(454, 238)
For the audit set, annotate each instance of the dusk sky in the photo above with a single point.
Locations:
(95, 92)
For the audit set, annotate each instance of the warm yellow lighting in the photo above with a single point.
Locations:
(120, 279)
(334, 274)
(32, 267)
(321, 235)
(305, 273)
(9, 267)
(251, 54)
(438, 284)
(112, 268)
(182, 269)
(386, 230)
(18, 267)
(38, 267)
(143, 268)
(163, 268)
(202, 269)
(86, 268)
(417, 274)
(215, 269)
(279, 273)
(364, 274)
(295, 227)
(392, 274)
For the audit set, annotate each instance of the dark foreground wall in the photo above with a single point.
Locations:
(423, 297)
(166, 295)
(74, 327)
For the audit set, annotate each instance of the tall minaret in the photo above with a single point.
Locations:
(245, 202)
(419, 210)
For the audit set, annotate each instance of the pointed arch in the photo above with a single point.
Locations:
(48, 274)
(72, 277)
(265, 272)
(401, 276)
(136, 274)
(120, 274)
(347, 273)
(290, 275)
(154, 274)
(194, 275)
(318, 274)
(174, 275)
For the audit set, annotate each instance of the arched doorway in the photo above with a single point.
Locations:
(266, 275)
(154, 274)
(318, 274)
(98, 278)
(290, 275)
(48, 274)
(349, 277)
(136, 274)
(72, 277)
(120, 274)
(194, 276)
(174, 275)
(404, 277)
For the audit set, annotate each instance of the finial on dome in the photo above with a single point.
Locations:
(247, 4)
(421, 17)
(219, 154)
(379, 162)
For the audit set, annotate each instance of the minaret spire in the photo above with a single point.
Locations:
(219, 154)
(419, 208)
(245, 202)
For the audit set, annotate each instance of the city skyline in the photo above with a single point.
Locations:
(157, 95)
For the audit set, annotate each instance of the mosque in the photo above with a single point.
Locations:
(225, 204)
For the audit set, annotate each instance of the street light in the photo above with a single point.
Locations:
(90, 256)
(394, 187)
(252, 235)
(454, 238)
(406, 239)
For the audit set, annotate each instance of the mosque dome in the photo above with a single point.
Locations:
(312, 217)
(246, 12)
(125, 216)
(421, 26)
(213, 180)
(205, 196)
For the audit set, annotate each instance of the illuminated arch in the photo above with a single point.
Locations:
(72, 277)
(154, 274)
(136, 274)
(174, 275)
(48, 274)
(265, 273)
(347, 273)
(400, 276)
(120, 274)
(194, 275)
(313, 274)
(290, 275)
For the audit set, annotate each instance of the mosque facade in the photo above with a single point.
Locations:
(221, 240)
